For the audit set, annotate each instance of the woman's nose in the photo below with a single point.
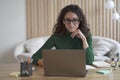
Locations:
(71, 23)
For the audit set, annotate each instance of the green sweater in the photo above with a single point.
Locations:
(65, 42)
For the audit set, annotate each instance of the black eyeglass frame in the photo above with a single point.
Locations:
(74, 21)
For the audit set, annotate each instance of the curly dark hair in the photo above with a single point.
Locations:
(59, 27)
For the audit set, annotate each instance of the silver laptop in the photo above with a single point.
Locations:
(64, 63)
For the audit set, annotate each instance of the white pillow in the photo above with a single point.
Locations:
(33, 46)
(101, 58)
(102, 47)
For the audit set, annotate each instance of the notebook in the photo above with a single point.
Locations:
(64, 63)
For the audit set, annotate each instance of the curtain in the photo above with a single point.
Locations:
(42, 15)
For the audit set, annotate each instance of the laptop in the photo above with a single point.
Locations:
(64, 63)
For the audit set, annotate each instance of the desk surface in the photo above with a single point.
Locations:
(38, 74)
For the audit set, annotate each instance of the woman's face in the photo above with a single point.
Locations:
(71, 21)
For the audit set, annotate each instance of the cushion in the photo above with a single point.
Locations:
(102, 47)
(102, 58)
(33, 46)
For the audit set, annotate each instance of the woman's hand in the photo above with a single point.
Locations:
(40, 62)
(80, 35)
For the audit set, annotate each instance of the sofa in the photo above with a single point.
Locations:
(102, 47)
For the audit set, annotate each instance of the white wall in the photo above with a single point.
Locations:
(12, 28)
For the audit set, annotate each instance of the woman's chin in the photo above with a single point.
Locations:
(71, 30)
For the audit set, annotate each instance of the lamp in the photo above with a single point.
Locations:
(110, 5)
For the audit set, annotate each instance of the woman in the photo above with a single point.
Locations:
(71, 30)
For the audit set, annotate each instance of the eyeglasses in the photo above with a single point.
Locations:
(68, 21)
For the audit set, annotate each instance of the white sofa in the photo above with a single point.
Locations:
(101, 45)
